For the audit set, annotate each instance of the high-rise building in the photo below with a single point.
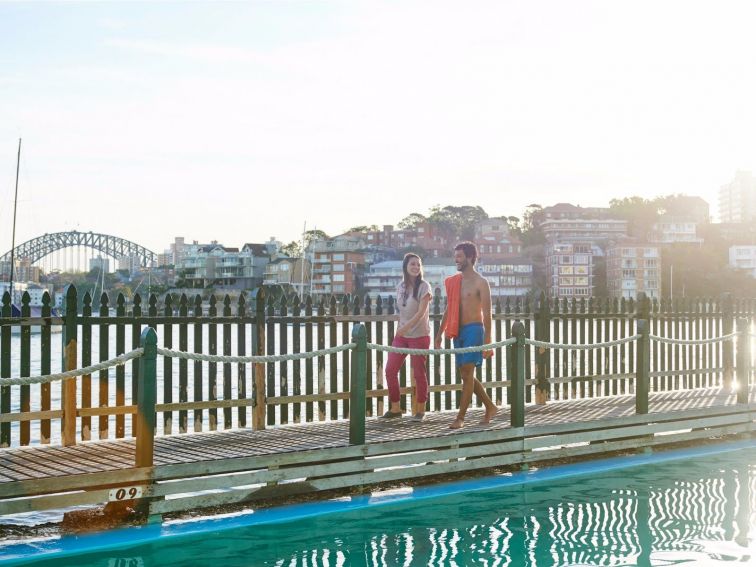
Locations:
(632, 267)
(737, 199)
(571, 269)
(99, 263)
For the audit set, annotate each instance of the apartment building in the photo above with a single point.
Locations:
(432, 238)
(382, 278)
(495, 242)
(337, 264)
(570, 268)
(674, 230)
(743, 257)
(584, 230)
(507, 278)
(294, 272)
(737, 199)
(568, 211)
(215, 265)
(633, 267)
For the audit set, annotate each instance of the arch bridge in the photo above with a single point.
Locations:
(113, 246)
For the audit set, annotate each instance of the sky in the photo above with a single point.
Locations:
(236, 121)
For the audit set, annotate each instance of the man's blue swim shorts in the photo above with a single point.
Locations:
(470, 335)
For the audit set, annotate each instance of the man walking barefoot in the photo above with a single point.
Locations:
(467, 319)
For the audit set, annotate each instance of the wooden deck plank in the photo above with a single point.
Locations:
(53, 463)
(33, 463)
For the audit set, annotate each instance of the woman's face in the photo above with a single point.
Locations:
(413, 267)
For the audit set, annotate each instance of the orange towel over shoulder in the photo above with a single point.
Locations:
(453, 285)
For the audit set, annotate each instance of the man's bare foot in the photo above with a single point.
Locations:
(457, 424)
(490, 414)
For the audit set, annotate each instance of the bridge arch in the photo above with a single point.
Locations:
(113, 246)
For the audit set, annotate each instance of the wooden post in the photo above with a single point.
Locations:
(25, 368)
(70, 342)
(146, 399)
(518, 377)
(642, 367)
(5, 371)
(727, 327)
(258, 413)
(357, 387)
(542, 333)
(744, 360)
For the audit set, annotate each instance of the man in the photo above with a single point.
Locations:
(467, 319)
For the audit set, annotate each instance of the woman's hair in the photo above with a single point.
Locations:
(408, 278)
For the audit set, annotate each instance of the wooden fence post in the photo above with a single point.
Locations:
(357, 387)
(642, 366)
(258, 413)
(5, 371)
(146, 399)
(518, 377)
(744, 360)
(727, 346)
(542, 333)
(70, 362)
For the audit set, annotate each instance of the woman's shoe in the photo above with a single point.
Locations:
(391, 415)
(418, 417)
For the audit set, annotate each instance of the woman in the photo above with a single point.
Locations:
(413, 296)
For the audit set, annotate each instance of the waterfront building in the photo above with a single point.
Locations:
(26, 272)
(570, 267)
(737, 199)
(433, 239)
(743, 257)
(214, 265)
(495, 241)
(382, 278)
(337, 264)
(674, 230)
(633, 267)
(584, 230)
(131, 264)
(34, 290)
(568, 211)
(507, 278)
(284, 271)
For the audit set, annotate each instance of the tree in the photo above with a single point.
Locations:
(460, 221)
(311, 235)
(640, 213)
(411, 221)
(364, 228)
(513, 223)
(293, 249)
(530, 230)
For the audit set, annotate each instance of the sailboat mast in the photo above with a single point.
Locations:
(13, 238)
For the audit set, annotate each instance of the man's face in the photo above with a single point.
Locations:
(460, 260)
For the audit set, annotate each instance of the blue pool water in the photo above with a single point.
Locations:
(693, 507)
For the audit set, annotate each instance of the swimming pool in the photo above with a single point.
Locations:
(684, 507)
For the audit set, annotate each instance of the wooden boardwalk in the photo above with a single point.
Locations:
(320, 452)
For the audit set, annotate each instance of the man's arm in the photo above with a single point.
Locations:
(441, 329)
(485, 305)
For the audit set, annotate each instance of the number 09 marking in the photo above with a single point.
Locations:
(125, 493)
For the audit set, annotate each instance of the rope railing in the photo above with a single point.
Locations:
(254, 358)
(47, 378)
(670, 341)
(123, 358)
(564, 346)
